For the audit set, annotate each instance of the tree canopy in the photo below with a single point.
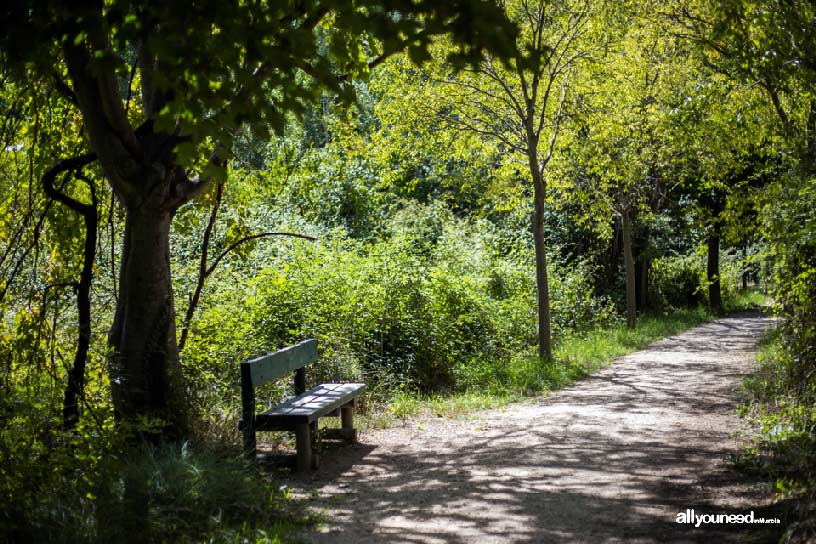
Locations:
(447, 195)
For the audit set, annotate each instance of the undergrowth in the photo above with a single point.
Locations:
(782, 406)
(173, 493)
(575, 356)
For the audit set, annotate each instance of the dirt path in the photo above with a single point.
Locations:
(611, 459)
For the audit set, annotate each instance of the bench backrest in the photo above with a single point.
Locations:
(274, 365)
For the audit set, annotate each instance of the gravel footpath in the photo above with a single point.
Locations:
(613, 458)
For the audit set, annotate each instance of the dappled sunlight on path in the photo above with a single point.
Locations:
(612, 459)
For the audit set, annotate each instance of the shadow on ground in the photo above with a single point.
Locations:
(614, 458)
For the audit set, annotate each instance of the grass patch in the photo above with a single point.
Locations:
(168, 494)
(491, 385)
(405, 404)
(783, 452)
(747, 300)
(594, 350)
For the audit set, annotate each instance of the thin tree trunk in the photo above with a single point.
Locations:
(629, 263)
(542, 282)
(202, 267)
(76, 376)
(613, 256)
(146, 378)
(808, 164)
(713, 270)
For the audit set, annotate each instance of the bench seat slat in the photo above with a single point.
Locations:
(309, 406)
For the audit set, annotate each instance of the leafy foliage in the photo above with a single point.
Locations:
(385, 212)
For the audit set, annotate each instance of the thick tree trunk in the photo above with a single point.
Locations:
(713, 270)
(146, 378)
(629, 263)
(146, 382)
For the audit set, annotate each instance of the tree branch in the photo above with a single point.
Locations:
(202, 267)
(245, 239)
(68, 165)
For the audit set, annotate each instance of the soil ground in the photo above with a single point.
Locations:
(613, 458)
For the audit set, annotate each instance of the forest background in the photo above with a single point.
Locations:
(464, 223)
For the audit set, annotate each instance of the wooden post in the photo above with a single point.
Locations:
(303, 443)
(315, 446)
(300, 381)
(248, 411)
(347, 422)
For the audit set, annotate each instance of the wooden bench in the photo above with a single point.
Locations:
(300, 413)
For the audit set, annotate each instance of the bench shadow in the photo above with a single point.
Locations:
(283, 463)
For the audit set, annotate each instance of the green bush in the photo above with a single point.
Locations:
(783, 452)
(423, 308)
(679, 281)
(675, 281)
(89, 487)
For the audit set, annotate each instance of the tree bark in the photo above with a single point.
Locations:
(713, 270)
(542, 282)
(76, 376)
(629, 263)
(146, 378)
(146, 381)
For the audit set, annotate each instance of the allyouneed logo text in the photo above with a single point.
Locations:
(690, 517)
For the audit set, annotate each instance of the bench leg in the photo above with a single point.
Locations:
(315, 446)
(303, 444)
(249, 440)
(347, 422)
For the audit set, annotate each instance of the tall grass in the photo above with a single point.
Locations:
(175, 493)
(491, 385)
(781, 405)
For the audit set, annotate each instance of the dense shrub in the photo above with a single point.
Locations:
(792, 257)
(415, 309)
(675, 281)
(782, 390)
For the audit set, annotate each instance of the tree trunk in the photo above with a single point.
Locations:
(76, 377)
(146, 378)
(542, 282)
(629, 263)
(713, 270)
(147, 388)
